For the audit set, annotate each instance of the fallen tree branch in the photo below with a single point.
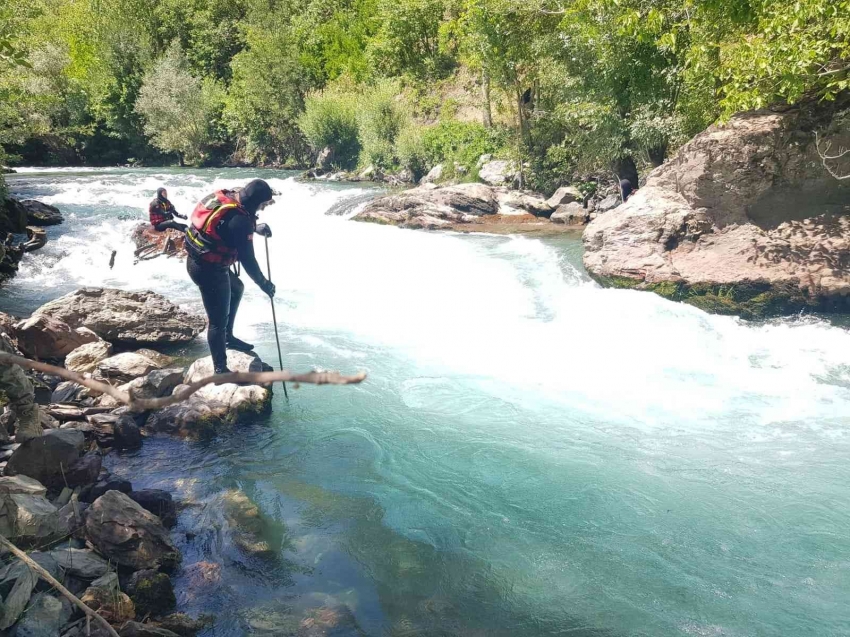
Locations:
(47, 577)
(148, 404)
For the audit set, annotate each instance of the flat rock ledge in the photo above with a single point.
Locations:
(473, 207)
(744, 220)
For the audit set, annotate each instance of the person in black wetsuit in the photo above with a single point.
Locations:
(221, 232)
(626, 189)
(161, 213)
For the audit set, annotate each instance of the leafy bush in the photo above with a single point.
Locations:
(382, 116)
(179, 110)
(410, 150)
(462, 142)
(330, 120)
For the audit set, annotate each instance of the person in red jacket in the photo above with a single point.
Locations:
(221, 232)
(162, 213)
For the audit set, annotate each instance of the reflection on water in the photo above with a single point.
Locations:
(531, 455)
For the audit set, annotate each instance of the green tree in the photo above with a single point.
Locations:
(179, 110)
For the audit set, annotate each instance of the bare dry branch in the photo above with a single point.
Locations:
(147, 404)
(825, 157)
(47, 577)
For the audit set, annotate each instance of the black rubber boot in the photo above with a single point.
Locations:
(238, 345)
(222, 370)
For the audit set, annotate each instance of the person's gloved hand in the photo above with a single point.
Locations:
(179, 216)
(269, 288)
(264, 231)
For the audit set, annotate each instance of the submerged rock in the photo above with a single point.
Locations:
(743, 220)
(158, 502)
(152, 593)
(128, 534)
(214, 405)
(125, 317)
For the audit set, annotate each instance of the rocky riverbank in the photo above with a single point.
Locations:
(746, 219)
(108, 542)
(23, 217)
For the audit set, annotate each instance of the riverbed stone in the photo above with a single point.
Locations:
(128, 366)
(85, 358)
(152, 593)
(135, 629)
(158, 502)
(29, 518)
(124, 317)
(81, 563)
(41, 214)
(564, 195)
(571, 214)
(114, 607)
(48, 457)
(129, 535)
(84, 471)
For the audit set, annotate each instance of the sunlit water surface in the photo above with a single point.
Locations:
(531, 455)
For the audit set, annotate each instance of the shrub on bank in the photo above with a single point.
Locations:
(330, 120)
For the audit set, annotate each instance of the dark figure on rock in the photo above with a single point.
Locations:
(626, 189)
(221, 233)
(162, 213)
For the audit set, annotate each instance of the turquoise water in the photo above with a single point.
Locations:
(531, 454)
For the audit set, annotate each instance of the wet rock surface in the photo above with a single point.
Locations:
(130, 318)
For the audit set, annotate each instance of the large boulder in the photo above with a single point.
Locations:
(564, 195)
(432, 208)
(41, 214)
(129, 535)
(47, 458)
(570, 214)
(85, 358)
(214, 405)
(512, 202)
(745, 219)
(125, 317)
(48, 337)
(127, 366)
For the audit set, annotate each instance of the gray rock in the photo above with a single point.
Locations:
(434, 175)
(513, 202)
(86, 357)
(214, 405)
(18, 598)
(68, 392)
(44, 617)
(84, 471)
(565, 194)
(127, 434)
(160, 382)
(129, 535)
(41, 214)
(109, 582)
(125, 317)
(47, 458)
(29, 518)
(608, 203)
(21, 484)
(81, 563)
(125, 367)
(498, 172)
(570, 214)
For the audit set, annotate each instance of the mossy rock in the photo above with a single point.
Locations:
(154, 595)
(752, 300)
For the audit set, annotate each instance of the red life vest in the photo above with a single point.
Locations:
(159, 212)
(204, 242)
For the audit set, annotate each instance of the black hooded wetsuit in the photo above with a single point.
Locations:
(221, 289)
(160, 207)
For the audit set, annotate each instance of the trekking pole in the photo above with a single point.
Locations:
(274, 317)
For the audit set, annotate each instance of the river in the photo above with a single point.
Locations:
(531, 454)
